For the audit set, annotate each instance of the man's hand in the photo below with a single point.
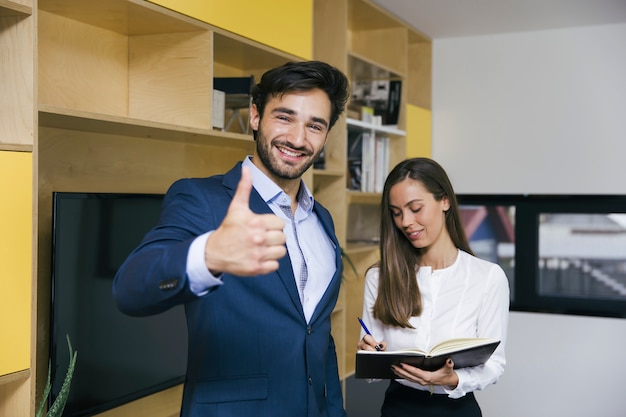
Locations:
(245, 243)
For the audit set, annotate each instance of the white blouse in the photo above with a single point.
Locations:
(470, 298)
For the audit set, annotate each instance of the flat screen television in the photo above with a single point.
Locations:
(120, 358)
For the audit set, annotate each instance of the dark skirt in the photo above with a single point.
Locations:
(403, 401)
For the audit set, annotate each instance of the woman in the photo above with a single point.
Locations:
(429, 287)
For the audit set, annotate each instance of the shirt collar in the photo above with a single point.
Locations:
(270, 192)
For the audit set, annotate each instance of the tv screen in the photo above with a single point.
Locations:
(120, 358)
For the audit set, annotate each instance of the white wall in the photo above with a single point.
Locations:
(537, 112)
(543, 113)
(560, 366)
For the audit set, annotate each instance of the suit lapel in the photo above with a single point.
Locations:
(328, 296)
(258, 205)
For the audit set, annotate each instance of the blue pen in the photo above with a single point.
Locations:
(367, 332)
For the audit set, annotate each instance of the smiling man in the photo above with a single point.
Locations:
(255, 260)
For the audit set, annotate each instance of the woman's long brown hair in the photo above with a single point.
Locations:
(399, 296)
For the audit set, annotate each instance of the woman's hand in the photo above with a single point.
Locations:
(445, 375)
(369, 343)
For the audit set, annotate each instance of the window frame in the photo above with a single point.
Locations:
(525, 289)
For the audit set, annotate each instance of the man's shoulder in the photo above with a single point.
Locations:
(222, 180)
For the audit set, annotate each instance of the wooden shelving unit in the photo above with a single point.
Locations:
(115, 96)
(125, 93)
(368, 44)
(17, 132)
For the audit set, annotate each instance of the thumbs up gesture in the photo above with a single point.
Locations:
(245, 243)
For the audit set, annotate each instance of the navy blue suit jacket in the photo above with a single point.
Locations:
(251, 351)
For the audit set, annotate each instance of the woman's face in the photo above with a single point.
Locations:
(417, 214)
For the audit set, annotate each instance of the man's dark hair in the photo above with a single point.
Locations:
(304, 76)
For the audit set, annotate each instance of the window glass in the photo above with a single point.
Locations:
(582, 255)
(490, 230)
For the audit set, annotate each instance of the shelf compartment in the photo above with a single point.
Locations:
(361, 68)
(16, 82)
(374, 34)
(235, 56)
(122, 59)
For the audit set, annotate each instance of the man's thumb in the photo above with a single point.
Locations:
(241, 199)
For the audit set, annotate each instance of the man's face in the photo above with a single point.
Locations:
(291, 133)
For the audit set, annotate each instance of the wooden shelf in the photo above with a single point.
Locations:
(126, 17)
(361, 248)
(15, 148)
(14, 8)
(388, 130)
(357, 197)
(15, 376)
(329, 172)
(70, 119)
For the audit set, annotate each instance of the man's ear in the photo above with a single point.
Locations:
(255, 117)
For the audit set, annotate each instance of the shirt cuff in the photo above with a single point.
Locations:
(459, 391)
(201, 280)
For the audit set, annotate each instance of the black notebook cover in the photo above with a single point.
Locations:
(370, 364)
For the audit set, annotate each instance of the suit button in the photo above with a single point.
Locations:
(168, 284)
(310, 381)
(309, 330)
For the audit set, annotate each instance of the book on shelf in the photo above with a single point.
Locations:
(381, 162)
(392, 109)
(367, 114)
(368, 161)
(355, 160)
(464, 352)
(382, 98)
(368, 164)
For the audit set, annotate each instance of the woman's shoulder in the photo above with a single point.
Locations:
(477, 263)
(372, 272)
(371, 276)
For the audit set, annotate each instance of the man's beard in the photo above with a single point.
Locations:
(276, 167)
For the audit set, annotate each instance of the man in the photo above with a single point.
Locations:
(258, 321)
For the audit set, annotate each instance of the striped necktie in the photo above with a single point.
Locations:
(304, 273)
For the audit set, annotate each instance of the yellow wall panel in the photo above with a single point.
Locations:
(286, 25)
(15, 260)
(418, 132)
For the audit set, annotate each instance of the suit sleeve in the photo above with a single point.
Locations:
(153, 278)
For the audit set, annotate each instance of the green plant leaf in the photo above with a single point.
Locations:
(46, 392)
(56, 409)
